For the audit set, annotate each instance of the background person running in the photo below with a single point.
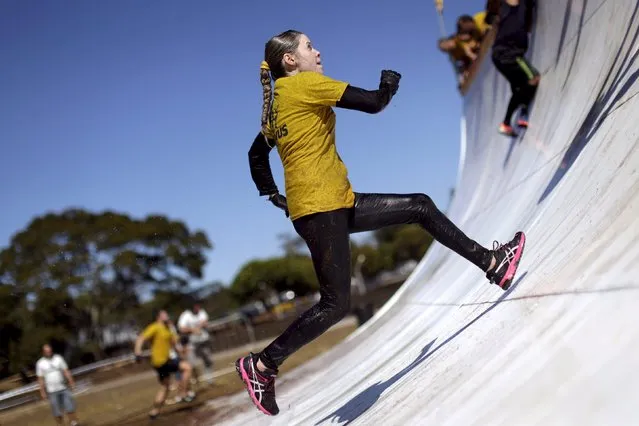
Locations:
(298, 118)
(163, 339)
(52, 371)
(192, 325)
(181, 351)
(509, 48)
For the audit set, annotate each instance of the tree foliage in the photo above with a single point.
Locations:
(75, 272)
(406, 242)
(10, 329)
(391, 246)
(79, 269)
(259, 277)
(376, 259)
(217, 299)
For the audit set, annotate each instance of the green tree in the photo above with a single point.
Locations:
(174, 301)
(402, 243)
(375, 261)
(257, 278)
(103, 259)
(10, 328)
(410, 243)
(52, 319)
(217, 299)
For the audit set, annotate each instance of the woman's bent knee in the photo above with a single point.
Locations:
(425, 201)
(336, 312)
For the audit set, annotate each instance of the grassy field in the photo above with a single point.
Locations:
(127, 400)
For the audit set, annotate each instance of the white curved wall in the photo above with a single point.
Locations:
(560, 347)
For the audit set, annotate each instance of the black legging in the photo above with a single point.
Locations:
(327, 237)
(518, 71)
(522, 95)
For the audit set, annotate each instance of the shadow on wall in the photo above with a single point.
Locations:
(357, 406)
(514, 141)
(615, 87)
(563, 36)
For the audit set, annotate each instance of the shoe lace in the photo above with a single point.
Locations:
(507, 252)
(260, 387)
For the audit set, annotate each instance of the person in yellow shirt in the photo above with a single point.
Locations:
(483, 19)
(464, 46)
(457, 54)
(164, 339)
(470, 33)
(482, 22)
(298, 119)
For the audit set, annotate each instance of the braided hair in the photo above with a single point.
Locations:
(273, 66)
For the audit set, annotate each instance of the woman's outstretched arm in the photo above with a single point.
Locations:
(371, 101)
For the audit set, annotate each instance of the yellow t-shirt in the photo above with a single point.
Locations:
(480, 21)
(475, 42)
(303, 124)
(458, 53)
(162, 339)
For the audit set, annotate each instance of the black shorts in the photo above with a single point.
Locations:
(166, 369)
(517, 70)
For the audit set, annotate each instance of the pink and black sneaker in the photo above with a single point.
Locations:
(507, 257)
(260, 385)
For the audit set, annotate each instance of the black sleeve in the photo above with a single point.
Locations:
(370, 101)
(260, 166)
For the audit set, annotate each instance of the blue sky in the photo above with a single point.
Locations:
(150, 107)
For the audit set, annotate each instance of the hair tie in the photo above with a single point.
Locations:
(264, 66)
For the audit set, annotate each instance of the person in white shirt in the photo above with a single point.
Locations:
(192, 324)
(52, 371)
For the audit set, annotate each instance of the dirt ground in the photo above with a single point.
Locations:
(127, 399)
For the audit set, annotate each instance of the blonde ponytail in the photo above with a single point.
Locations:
(265, 78)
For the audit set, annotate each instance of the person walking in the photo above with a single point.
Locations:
(56, 383)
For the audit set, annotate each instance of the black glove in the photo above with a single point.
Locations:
(390, 79)
(279, 201)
